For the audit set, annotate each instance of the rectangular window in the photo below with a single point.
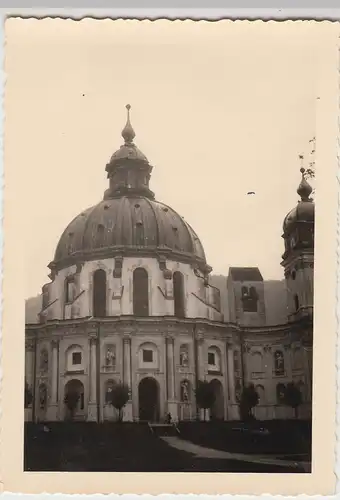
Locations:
(76, 358)
(147, 356)
(211, 358)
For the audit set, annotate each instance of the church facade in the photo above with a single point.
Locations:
(131, 300)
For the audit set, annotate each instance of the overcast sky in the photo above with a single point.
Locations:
(218, 109)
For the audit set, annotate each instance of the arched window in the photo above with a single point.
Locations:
(249, 299)
(279, 363)
(140, 292)
(296, 302)
(280, 393)
(178, 294)
(69, 289)
(99, 294)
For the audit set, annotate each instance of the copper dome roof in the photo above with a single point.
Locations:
(305, 209)
(128, 221)
(127, 225)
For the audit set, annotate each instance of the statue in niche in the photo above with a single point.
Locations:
(185, 391)
(279, 362)
(44, 360)
(184, 356)
(110, 357)
(42, 396)
(238, 391)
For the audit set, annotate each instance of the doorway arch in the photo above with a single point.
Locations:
(74, 400)
(217, 410)
(148, 399)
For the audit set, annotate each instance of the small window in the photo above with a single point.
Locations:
(76, 358)
(296, 302)
(211, 358)
(147, 356)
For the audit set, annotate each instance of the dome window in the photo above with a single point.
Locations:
(175, 229)
(140, 292)
(165, 209)
(106, 207)
(99, 294)
(137, 205)
(178, 284)
(139, 223)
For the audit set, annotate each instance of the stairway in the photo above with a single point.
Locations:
(161, 430)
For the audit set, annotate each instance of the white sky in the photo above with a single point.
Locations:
(218, 109)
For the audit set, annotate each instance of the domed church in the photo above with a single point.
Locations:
(131, 299)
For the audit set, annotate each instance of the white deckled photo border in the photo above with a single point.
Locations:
(322, 478)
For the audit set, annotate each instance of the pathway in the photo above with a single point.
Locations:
(203, 452)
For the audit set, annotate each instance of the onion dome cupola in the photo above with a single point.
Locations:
(128, 169)
(129, 221)
(298, 225)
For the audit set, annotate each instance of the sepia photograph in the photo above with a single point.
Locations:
(167, 177)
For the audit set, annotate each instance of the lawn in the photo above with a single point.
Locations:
(288, 438)
(125, 447)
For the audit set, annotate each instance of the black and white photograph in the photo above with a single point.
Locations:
(165, 180)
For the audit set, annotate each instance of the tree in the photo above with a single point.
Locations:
(119, 396)
(71, 400)
(249, 399)
(205, 396)
(293, 397)
(28, 395)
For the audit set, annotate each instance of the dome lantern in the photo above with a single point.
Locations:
(128, 169)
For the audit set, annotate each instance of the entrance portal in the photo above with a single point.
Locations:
(74, 400)
(217, 410)
(148, 394)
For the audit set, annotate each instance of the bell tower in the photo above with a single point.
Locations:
(298, 257)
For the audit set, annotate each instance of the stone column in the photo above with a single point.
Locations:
(308, 369)
(29, 375)
(233, 413)
(29, 359)
(128, 414)
(170, 370)
(92, 404)
(201, 361)
(52, 409)
(201, 369)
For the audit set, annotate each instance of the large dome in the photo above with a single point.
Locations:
(128, 226)
(128, 221)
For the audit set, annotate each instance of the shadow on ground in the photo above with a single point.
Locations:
(114, 447)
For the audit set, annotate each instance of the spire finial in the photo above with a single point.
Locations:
(128, 133)
(305, 189)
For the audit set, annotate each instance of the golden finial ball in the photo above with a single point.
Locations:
(128, 107)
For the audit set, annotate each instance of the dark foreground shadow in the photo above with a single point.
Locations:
(114, 447)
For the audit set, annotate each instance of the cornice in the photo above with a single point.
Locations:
(167, 325)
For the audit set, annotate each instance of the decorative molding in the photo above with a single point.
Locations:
(165, 295)
(55, 343)
(267, 348)
(118, 296)
(117, 272)
(167, 273)
(79, 267)
(29, 344)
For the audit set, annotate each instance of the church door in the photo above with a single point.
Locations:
(148, 394)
